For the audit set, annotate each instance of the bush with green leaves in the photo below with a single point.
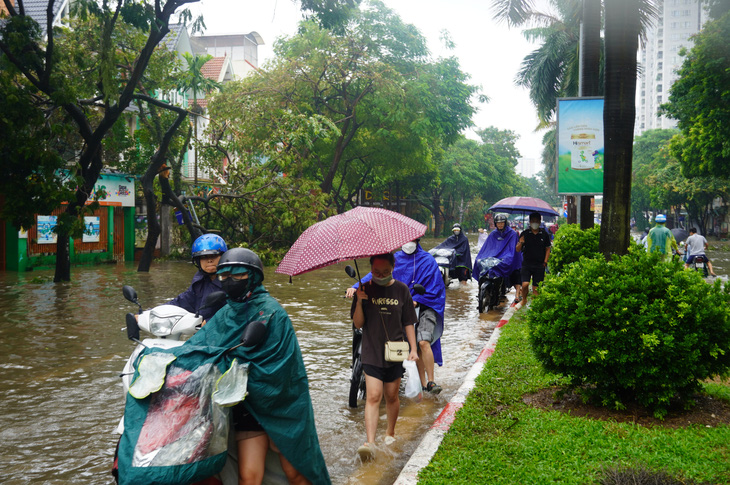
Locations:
(635, 329)
(570, 243)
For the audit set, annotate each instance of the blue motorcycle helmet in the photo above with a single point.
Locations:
(206, 245)
(661, 219)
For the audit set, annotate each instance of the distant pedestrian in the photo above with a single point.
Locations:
(460, 244)
(535, 246)
(482, 237)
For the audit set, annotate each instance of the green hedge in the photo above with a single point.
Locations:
(632, 329)
(570, 243)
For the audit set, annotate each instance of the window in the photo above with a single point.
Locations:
(660, 65)
(658, 88)
(659, 99)
(659, 76)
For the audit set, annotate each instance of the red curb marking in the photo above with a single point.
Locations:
(502, 323)
(447, 416)
(485, 354)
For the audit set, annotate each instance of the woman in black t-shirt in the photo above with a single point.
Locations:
(384, 310)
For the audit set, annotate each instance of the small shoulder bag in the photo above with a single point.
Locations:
(395, 351)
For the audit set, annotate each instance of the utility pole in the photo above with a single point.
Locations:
(589, 67)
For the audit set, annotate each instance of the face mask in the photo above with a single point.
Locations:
(235, 289)
(382, 281)
(535, 226)
(457, 232)
(409, 248)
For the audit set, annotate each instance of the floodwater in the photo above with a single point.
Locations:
(63, 347)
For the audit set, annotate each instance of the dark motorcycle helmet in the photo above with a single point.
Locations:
(500, 218)
(235, 262)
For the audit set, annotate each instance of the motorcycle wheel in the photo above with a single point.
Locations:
(483, 298)
(357, 382)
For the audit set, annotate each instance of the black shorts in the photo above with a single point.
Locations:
(536, 272)
(243, 420)
(385, 374)
(515, 279)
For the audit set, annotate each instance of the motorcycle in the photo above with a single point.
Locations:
(185, 395)
(491, 287)
(446, 259)
(357, 377)
(700, 260)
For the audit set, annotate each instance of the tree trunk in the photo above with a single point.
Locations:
(622, 39)
(436, 211)
(165, 229)
(63, 256)
(153, 225)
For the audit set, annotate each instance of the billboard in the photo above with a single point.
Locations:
(580, 146)
(91, 229)
(45, 227)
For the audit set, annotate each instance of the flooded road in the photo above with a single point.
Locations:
(63, 347)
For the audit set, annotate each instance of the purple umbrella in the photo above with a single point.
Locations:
(524, 204)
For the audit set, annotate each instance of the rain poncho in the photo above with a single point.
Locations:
(661, 239)
(421, 268)
(460, 244)
(192, 299)
(278, 388)
(500, 245)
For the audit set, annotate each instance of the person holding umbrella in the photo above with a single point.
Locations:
(384, 310)
(535, 246)
(460, 244)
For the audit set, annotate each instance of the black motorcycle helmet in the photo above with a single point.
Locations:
(500, 218)
(236, 261)
(242, 257)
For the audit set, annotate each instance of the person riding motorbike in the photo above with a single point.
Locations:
(414, 265)
(661, 239)
(278, 412)
(501, 244)
(206, 252)
(459, 242)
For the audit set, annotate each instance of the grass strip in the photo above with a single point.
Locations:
(496, 438)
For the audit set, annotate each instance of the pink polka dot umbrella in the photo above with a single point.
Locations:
(358, 233)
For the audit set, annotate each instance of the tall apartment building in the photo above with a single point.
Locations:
(659, 59)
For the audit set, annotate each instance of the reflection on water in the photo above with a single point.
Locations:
(63, 347)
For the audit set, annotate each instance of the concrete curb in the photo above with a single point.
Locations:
(432, 440)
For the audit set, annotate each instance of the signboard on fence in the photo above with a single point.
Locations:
(46, 225)
(580, 146)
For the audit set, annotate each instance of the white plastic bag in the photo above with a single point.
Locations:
(413, 382)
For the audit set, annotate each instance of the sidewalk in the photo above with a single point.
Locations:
(432, 440)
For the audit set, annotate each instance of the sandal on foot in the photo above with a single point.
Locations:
(432, 387)
(366, 452)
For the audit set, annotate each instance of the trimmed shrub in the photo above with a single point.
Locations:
(570, 243)
(634, 329)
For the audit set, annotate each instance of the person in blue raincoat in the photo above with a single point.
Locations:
(459, 243)
(414, 265)
(501, 244)
(206, 252)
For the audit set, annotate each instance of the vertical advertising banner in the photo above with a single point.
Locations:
(580, 146)
(91, 229)
(46, 224)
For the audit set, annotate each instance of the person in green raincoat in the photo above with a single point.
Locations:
(661, 239)
(277, 412)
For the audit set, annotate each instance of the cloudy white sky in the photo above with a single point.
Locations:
(490, 52)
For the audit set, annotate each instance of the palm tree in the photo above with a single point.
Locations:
(624, 20)
(193, 80)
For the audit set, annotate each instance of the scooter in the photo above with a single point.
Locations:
(358, 390)
(446, 259)
(700, 260)
(170, 325)
(491, 286)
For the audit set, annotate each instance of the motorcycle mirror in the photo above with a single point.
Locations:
(419, 289)
(253, 334)
(350, 271)
(213, 299)
(132, 326)
(129, 293)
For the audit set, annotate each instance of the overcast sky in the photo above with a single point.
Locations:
(490, 52)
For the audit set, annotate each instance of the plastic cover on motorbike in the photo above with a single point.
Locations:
(231, 387)
(151, 372)
(278, 388)
(500, 245)
(177, 434)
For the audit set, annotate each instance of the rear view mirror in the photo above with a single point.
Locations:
(253, 334)
(350, 271)
(419, 289)
(129, 293)
(213, 299)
